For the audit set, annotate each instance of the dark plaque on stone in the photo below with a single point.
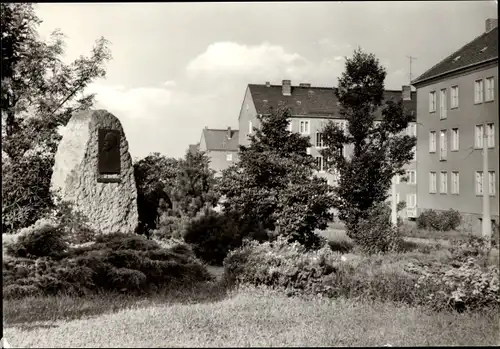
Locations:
(109, 152)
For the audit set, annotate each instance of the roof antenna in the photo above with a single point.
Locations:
(411, 60)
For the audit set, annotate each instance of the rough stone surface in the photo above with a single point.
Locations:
(110, 207)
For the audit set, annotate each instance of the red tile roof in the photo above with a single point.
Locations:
(468, 55)
(216, 139)
(318, 102)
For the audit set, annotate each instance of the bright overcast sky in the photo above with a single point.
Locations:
(178, 67)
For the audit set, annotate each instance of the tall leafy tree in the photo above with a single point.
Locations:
(274, 182)
(195, 185)
(38, 95)
(155, 177)
(379, 150)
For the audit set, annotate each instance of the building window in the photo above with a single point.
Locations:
(455, 182)
(319, 163)
(229, 157)
(432, 141)
(490, 89)
(411, 200)
(411, 129)
(442, 104)
(319, 140)
(304, 126)
(397, 179)
(397, 198)
(443, 182)
(490, 134)
(412, 177)
(492, 182)
(455, 139)
(478, 91)
(250, 128)
(308, 151)
(432, 102)
(432, 182)
(289, 127)
(454, 97)
(478, 136)
(443, 145)
(414, 153)
(479, 182)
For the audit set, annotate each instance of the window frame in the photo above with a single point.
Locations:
(490, 135)
(454, 97)
(432, 182)
(477, 182)
(432, 136)
(306, 122)
(442, 104)
(479, 92)
(432, 101)
(455, 138)
(489, 81)
(481, 136)
(443, 145)
(455, 189)
(492, 188)
(443, 189)
(229, 157)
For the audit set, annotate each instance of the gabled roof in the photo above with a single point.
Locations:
(216, 139)
(482, 49)
(312, 101)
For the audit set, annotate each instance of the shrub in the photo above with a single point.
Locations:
(74, 222)
(439, 220)
(376, 233)
(213, 235)
(47, 240)
(415, 279)
(115, 262)
(170, 227)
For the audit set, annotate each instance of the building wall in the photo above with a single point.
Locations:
(219, 162)
(467, 159)
(247, 113)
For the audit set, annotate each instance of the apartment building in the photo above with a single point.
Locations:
(457, 108)
(311, 109)
(221, 146)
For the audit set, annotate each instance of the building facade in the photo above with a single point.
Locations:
(221, 147)
(311, 109)
(457, 108)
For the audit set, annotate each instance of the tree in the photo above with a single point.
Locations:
(274, 182)
(195, 185)
(39, 93)
(379, 151)
(155, 177)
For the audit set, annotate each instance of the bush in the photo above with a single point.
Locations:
(47, 240)
(115, 262)
(439, 220)
(213, 235)
(393, 277)
(170, 227)
(376, 233)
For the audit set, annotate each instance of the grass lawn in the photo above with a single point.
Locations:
(253, 317)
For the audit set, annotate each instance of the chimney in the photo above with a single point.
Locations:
(229, 133)
(287, 88)
(302, 84)
(491, 23)
(268, 84)
(406, 93)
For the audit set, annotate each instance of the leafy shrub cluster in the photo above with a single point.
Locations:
(214, 234)
(439, 220)
(43, 263)
(466, 285)
(376, 234)
(387, 277)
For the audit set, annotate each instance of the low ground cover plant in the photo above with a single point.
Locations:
(395, 277)
(42, 261)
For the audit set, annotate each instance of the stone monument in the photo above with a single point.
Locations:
(93, 170)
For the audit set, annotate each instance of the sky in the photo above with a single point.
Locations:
(178, 67)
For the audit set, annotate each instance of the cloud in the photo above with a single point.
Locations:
(169, 83)
(230, 58)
